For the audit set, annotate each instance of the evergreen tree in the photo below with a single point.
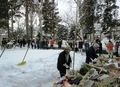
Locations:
(102, 11)
(106, 14)
(14, 12)
(62, 32)
(87, 20)
(50, 17)
(72, 32)
(109, 14)
(4, 17)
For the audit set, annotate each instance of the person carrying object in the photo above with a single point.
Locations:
(91, 53)
(64, 61)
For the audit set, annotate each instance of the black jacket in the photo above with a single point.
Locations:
(62, 60)
(80, 44)
(90, 54)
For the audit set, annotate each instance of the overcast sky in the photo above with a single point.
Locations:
(118, 3)
(64, 6)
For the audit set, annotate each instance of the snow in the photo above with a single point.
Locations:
(39, 71)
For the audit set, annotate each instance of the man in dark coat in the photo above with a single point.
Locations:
(91, 53)
(116, 49)
(59, 43)
(80, 46)
(86, 45)
(64, 61)
(99, 48)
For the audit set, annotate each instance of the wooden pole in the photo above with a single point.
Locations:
(75, 37)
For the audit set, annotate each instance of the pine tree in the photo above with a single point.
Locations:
(13, 13)
(4, 17)
(50, 17)
(62, 32)
(72, 32)
(87, 19)
(109, 14)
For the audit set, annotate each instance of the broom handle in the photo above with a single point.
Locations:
(25, 54)
(2, 52)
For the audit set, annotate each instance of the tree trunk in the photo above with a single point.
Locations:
(12, 24)
(27, 30)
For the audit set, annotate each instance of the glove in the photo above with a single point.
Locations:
(66, 65)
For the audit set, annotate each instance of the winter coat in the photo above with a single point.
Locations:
(80, 44)
(100, 48)
(62, 60)
(59, 43)
(116, 46)
(110, 46)
(90, 54)
(4, 42)
(86, 46)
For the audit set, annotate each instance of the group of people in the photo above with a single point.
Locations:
(34, 43)
(64, 58)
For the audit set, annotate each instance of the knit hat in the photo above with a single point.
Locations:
(68, 47)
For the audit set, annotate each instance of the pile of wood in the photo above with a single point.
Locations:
(103, 72)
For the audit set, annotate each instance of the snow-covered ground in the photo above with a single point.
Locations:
(40, 68)
(39, 71)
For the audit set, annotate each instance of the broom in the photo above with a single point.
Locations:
(23, 62)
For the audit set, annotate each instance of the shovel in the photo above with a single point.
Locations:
(23, 62)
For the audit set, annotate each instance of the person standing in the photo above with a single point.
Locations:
(51, 43)
(59, 43)
(86, 45)
(91, 53)
(64, 61)
(4, 42)
(100, 47)
(80, 46)
(109, 47)
(116, 49)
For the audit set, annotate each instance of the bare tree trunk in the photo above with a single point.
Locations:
(76, 27)
(40, 18)
(93, 27)
(31, 21)
(27, 30)
(8, 30)
(12, 24)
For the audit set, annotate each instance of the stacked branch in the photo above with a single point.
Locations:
(83, 81)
